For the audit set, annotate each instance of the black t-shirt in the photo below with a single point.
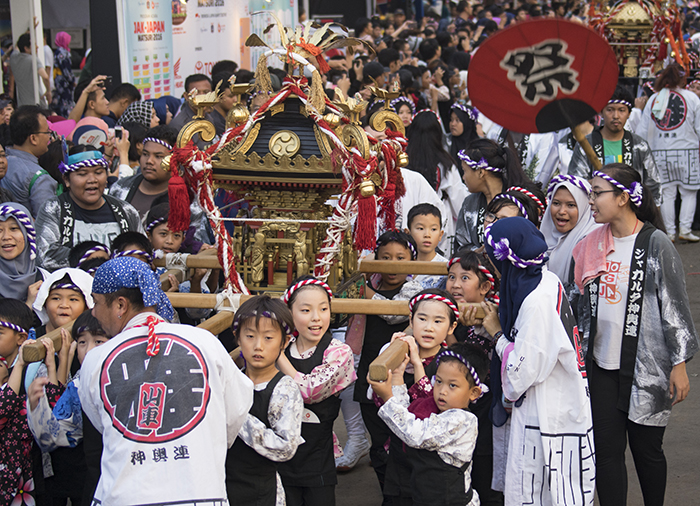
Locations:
(95, 225)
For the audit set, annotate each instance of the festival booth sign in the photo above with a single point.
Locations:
(543, 75)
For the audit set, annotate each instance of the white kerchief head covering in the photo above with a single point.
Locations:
(560, 246)
(79, 278)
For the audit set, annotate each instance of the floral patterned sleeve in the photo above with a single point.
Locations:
(280, 442)
(53, 393)
(335, 374)
(10, 404)
(60, 427)
(421, 389)
(451, 433)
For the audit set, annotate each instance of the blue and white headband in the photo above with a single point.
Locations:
(578, 182)
(399, 101)
(474, 165)
(635, 191)
(82, 160)
(620, 101)
(502, 251)
(12, 326)
(469, 111)
(26, 222)
(155, 223)
(91, 251)
(133, 253)
(158, 141)
(514, 200)
(465, 362)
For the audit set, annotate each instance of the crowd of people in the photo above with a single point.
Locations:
(580, 346)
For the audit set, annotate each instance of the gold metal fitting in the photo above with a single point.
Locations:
(332, 119)
(403, 159)
(165, 163)
(367, 188)
(239, 114)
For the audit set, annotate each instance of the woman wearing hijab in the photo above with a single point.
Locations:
(19, 277)
(142, 112)
(64, 83)
(671, 125)
(166, 108)
(549, 457)
(567, 220)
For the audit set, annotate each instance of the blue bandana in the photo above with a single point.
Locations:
(128, 272)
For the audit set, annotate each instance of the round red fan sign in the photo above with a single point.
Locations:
(542, 75)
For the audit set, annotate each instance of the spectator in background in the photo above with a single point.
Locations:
(137, 132)
(5, 195)
(6, 109)
(202, 84)
(225, 104)
(29, 183)
(227, 66)
(141, 112)
(166, 108)
(64, 82)
(91, 100)
(21, 65)
(122, 97)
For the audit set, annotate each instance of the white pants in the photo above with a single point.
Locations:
(668, 207)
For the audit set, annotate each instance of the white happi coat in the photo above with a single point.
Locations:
(551, 456)
(166, 421)
(674, 139)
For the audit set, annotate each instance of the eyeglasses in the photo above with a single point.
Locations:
(490, 218)
(47, 133)
(593, 196)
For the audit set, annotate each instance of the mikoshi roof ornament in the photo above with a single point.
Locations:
(543, 75)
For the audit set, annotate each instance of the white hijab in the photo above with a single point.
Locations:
(561, 246)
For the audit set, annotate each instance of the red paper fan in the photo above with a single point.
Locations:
(542, 75)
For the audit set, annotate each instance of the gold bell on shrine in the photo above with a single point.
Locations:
(165, 163)
(367, 188)
(403, 159)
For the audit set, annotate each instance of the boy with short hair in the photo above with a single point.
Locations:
(425, 226)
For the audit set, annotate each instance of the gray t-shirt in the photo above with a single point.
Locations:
(21, 65)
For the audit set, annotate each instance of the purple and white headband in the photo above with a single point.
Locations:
(65, 286)
(474, 165)
(132, 253)
(12, 326)
(91, 251)
(465, 362)
(502, 251)
(469, 111)
(399, 101)
(620, 101)
(155, 223)
(26, 221)
(306, 282)
(635, 191)
(264, 314)
(93, 162)
(514, 200)
(158, 141)
(426, 110)
(578, 182)
(433, 296)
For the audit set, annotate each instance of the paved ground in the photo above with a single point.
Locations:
(681, 442)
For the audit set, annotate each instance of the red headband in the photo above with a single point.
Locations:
(433, 296)
(301, 284)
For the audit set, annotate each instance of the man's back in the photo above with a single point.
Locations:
(28, 182)
(21, 65)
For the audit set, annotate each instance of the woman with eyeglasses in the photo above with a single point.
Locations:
(489, 169)
(635, 316)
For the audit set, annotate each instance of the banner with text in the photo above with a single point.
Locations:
(260, 17)
(149, 46)
(204, 32)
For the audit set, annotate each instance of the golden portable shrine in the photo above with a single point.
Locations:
(643, 33)
(316, 184)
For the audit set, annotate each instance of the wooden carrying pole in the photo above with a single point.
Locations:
(389, 359)
(35, 352)
(366, 266)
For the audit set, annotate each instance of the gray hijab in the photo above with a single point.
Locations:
(16, 275)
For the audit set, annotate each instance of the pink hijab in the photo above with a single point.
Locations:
(63, 40)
